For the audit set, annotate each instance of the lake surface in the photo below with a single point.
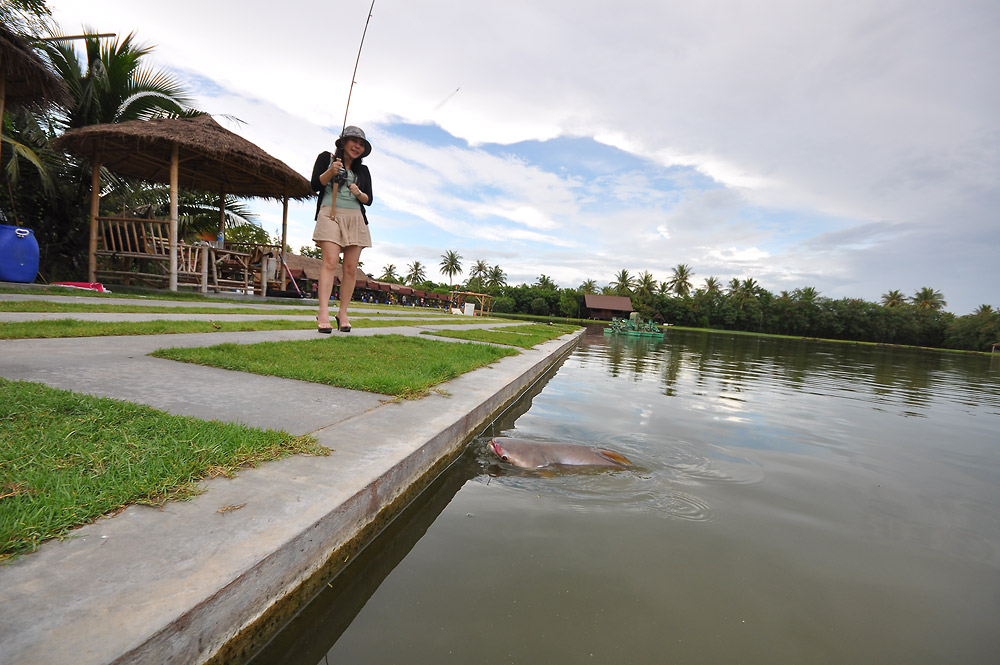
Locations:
(794, 502)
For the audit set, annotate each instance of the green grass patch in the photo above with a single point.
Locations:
(77, 328)
(67, 459)
(397, 365)
(118, 308)
(522, 336)
(270, 310)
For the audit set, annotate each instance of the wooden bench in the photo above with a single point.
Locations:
(132, 249)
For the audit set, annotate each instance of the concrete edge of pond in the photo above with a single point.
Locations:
(212, 579)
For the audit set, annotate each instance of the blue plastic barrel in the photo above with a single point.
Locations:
(18, 254)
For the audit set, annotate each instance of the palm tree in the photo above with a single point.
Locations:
(479, 269)
(389, 273)
(109, 85)
(623, 284)
(645, 285)
(681, 280)
(713, 285)
(894, 298)
(984, 310)
(545, 283)
(112, 85)
(451, 264)
(734, 287)
(746, 291)
(750, 286)
(806, 295)
(415, 273)
(28, 141)
(928, 298)
(497, 278)
(589, 286)
(26, 17)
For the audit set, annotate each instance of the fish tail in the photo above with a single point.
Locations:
(616, 457)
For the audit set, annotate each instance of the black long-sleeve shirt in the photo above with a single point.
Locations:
(364, 181)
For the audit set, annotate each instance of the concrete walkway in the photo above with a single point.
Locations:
(180, 584)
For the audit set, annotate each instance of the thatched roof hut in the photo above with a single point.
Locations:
(25, 79)
(195, 153)
(212, 158)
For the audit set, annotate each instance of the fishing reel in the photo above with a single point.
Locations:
(341, 177)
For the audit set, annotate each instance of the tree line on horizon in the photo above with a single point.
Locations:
(739, 305)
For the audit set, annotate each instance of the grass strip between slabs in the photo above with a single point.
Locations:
(76, 328)
(525, 336)
(67, 459)
(118, 308)
(32, 306)
(398, 365)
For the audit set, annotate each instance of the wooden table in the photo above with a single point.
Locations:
(230, 269)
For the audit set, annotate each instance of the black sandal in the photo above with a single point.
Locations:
(342, 328)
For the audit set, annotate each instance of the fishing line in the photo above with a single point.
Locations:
(492, 424)
(446, 99)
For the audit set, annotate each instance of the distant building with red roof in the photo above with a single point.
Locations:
(607, 307)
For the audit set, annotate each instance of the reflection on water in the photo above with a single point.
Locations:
(793, 502)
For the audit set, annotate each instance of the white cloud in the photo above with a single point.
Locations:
(828, 135)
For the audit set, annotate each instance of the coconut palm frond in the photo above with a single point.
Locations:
(25, 152)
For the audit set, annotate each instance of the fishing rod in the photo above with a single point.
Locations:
(338, 152)
(355, 73)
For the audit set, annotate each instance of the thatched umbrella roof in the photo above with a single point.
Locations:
(25, 79)
(195, 153)
(211, 158)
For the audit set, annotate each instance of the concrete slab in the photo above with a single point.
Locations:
(196, 579)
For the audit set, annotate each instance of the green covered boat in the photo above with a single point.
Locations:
(634, 327)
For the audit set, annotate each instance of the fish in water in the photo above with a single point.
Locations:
(538, 454)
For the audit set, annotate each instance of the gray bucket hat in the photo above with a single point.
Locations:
(352, 132)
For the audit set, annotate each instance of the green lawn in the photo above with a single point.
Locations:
(118, 308)
(66, 459)
(76, 328)
(395, 365)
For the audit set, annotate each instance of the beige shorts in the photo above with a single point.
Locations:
(345, 228)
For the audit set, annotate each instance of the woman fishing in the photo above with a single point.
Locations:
(344, 186)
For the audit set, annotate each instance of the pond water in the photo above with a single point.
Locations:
(793, 502)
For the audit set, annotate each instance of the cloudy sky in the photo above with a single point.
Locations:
(851, 146)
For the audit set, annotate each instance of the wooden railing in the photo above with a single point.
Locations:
(138, 250)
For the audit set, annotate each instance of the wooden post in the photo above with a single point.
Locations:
(284, 241)
(222, 215)
(205, 248)
(174, 177)
(95, 206)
